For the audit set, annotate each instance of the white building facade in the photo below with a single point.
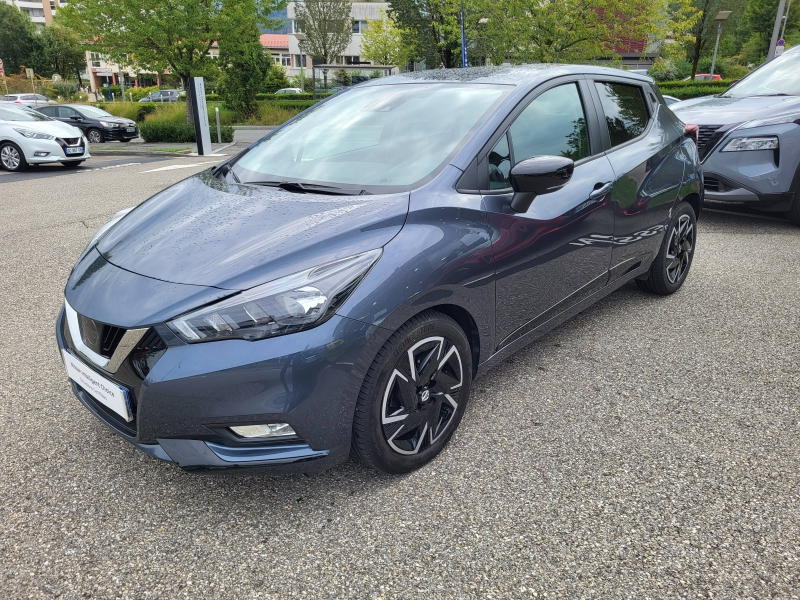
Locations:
(41, 12)
(360, 13)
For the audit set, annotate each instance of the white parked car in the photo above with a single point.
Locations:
(289, 91)
(30, 138)
(25, 100)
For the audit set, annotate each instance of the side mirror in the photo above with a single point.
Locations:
(536, 176)
(75, 117)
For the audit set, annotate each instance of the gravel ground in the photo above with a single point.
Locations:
(646, 449)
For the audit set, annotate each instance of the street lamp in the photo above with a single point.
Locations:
(721, 17)
(301, 39)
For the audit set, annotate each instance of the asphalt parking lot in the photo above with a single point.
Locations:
(646, 449)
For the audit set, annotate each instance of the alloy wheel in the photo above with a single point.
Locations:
(95, 137)
(680, 248)
(422, 394)
(10, 158)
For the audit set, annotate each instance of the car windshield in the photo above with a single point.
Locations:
(387, 135)
(779, 77)
(92, 111)
(12, 114)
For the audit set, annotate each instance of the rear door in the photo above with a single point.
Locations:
(542, 268)
(648, 168)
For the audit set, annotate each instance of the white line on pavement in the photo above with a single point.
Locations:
(108, 167)
(171, 167)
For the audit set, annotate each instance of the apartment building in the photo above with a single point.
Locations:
(360, 13)
(41, 12)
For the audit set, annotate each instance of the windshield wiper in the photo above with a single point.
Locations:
(314, 188)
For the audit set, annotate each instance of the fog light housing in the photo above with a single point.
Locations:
(268, 431)
(41, 153)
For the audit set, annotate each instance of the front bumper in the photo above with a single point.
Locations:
(54, 150)
(120, 133)
(764, 179)
(182, 407)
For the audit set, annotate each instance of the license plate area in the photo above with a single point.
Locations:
(78, 150)
(131, 129)
(108, 393)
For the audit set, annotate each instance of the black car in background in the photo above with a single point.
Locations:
(97, 125)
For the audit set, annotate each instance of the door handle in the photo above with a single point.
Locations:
(602, 190)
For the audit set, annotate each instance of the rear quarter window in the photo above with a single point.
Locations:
(625, 110)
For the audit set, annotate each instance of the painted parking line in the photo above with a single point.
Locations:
(128, 164)
(185, 166)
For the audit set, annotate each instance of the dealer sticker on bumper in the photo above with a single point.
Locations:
(103, 390)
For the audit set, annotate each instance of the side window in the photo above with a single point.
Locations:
(48, 110)
(65, 112)
(500, 165)
(554, 124)
(625, 110)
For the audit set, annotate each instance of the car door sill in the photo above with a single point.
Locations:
(555, 320)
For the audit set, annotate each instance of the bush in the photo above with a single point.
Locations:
(126, 110)
(178, 133)
(66, 89)
(684, 90)
(143, 110)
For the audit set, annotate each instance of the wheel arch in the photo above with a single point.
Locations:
(694, 201)
(467, 323)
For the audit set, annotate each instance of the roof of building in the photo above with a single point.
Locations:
(275, 40)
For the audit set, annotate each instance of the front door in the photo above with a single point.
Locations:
(543, 266)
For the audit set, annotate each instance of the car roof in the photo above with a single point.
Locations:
(504, 74)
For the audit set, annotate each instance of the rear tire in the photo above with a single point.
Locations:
(413, 395)
(12, 158)
(793, 213)
(671, 266)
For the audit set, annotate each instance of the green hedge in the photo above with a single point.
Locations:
(282, 97)
(178, 133)
(692, 90)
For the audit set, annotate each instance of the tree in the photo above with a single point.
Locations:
(158, 35)
(565, 30)
(431, 28)
(327, 27)
(383, 43)
(245, 65)
(18, 37)
(58, 51)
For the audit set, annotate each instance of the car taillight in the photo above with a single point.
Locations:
(693, 133)
(17, 102)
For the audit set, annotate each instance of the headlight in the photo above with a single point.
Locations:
(35, 135)
(109, 125)
(751, 143)
(286, 305)
(793, 117)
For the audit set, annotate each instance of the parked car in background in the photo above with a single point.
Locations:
(670, 100)
(339, 285)
(705, 77)
(30, 138)
(749, 138)
(639, 71)
(289, 91)
(26, 100)
(162, 96)
(97, 125)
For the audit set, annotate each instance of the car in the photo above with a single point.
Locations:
(30, 138)
(26, 100)
(338, 285)
(162, 96)
(289, 91)
(98, 125)
(704, 77)
(749, 138)
(639, 71)
(670, 100)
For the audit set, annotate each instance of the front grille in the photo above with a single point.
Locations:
(147, 352)
(72, 141)
(704, 135)
(711, 184)
(100, 337)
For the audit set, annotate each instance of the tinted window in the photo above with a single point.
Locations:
(625, 110)
(28, 97)
(554, 124)
(65, 112)
(500, 165)
(50, 111)
(41, 98)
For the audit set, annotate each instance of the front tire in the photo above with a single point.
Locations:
(12, 158)
(95, 136)
(794, 211)
(413, 395)
(671, 266)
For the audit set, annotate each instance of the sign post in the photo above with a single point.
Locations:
(3, 75)
(780, 47)
(29, 74)
(202, 131)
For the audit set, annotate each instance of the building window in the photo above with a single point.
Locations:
(360, 26)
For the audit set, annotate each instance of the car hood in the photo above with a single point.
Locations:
(56, 128)
(716, 110)
(206, 232)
